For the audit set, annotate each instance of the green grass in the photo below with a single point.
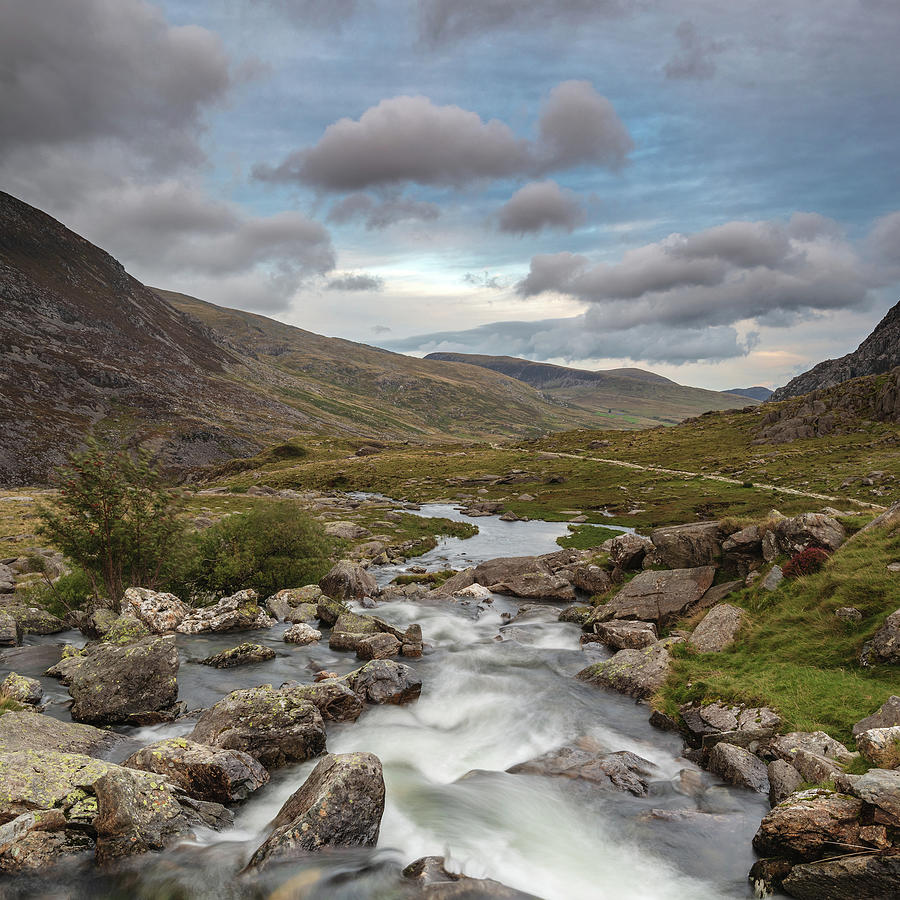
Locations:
(586, 537)
(795, 655)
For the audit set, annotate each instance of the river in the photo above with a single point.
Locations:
(494, 694)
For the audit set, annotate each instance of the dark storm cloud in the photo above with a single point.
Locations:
(695, 58)
(411, 139)
(75, 72)
(383, 212)
(540, 205)
(355, 282)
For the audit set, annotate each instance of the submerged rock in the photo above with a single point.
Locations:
(436, 883)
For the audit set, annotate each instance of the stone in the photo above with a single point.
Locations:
(528, 577)
(870, 877)
(385, 681)
(21, 689)
(744, 545)
(125, 630)
(29, 730)
(576, 614)
(773, 579)
(348, 581)
(114, 684)
(473, 592)
(329, 610)
(818, 743)
(33, 619)
(347, 531)
(290, 603)
(240, 611)
(718, 629)
(739, 766)
(434, 882)
(10, 631)
(881, 788)
(242, 655)
(98, 622)
(886, 715)
(881, 746)
(658, 597)
(637, 673)
(813, 768)
(276, 727)
(205, 773)
(784, 780)
(591, 579)
(378, 646)
(462, 579)
(301, 633)
(349, 629)
(627, 551)
(712, 723)
(686, 546)
(624, 634)
(808, 530)
(162, 613)
(334, 699)
(339, 805)
(848, 614)
(884, 648)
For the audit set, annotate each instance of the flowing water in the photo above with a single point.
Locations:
(495, 694)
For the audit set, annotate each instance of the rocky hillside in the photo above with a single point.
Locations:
(878, 353)
(626, 396)
(754, 393)
(87, 348)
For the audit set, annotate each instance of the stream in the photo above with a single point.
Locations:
(494, 694)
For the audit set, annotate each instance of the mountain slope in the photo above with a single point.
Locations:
(629, 396)
(754, 393)
(878, 353)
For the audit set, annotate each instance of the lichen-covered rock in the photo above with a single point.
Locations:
(712, 723)
(884, 648)
(528, 577)
(718, 629)
(886, 715)
(21, 689)
(348, 581)
(31, 731)
(240, 611)
(339, 805)
(686, 546)
(577, 614)
(162, 613)
(786, 746)
(623, 634)
(333, 697)
(385, 681)
(202, 772)
(125, 629)
(10, 631)
(378, 646)
(881, 788)
(295, 604)
(627, 551)
(122, 684)
(242, 655)
(33, 619)
(739, 766)
(591, 579)
(276, 727)
(349, 629)
(869, 877)
(98, 622)
(638, 673)
(881, 746)
(302, 634)
(796, 533)
(330, 610)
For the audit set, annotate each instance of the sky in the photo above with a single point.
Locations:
(709, 190)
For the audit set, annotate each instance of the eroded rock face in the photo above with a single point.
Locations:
(718, 629)
(242, 655)
(686, 546)
(276, 727)
(339, 805)
(162, 613)
(385, 681)
(205, 773)
(627, 551)
(638, 673)
(237, 612)
(348, 581)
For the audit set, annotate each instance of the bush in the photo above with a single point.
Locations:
(273, 546)
(67, 593)
(807, 562)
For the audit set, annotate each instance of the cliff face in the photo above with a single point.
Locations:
(878, 353)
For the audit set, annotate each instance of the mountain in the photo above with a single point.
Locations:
(626, 397)
(878, 353)
(87, 348)
(754, 393)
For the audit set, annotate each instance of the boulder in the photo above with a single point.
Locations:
(881, 746)
(623, 634)
(638, 673)
(817, 743)
(294, 604)
(884, 648)
(125, 684)
(276, 727)
(881, 788)
(125, 630)
(457, 582)
(659, 597)
(329, 611)
(378, 646)
(686, 546)
(808, 530)
(591, 579)
(339, 805)
(537, 586)
(773, 579)
(815, 769)
(237, 612)
(886, 715)
(870, 877)
(577, 614)
(334, 699)
(622, 770)
(743, 549)
(435, 883)
(301, 633)
(718, 629)
(347, 531)
(739, 766)
(10, 631)
(242, 655)
(33, 619)
(21, 689)
(712, 723)
(162, 613)
(784, 780)
(385, 681)
(627, 551)
(98, 622)
(472, 592)
(28, 730)
(205, 773)
(349, 629)
(348, 581)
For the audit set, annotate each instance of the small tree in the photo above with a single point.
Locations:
(114, 518)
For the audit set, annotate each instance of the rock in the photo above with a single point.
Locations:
(886, 715)
(881, 746)
(686, 546)
(301, 633)
(473, 592)
(237, 612)
(242, 655)
(881, 788)
(385, 681)
(329, 611)
(808, 530)
(21, 689)
(638, 673)
(125, 630)
(529, 577)
(813, 768)
(884, 648)
(28, 730)
(622, 770)
(98, 622)
(457, 582)
(347, 531)
(627, 551)
(205, 773)
(871, 877)
(436, 883)
(275, 727)
(767, 875)
(712, 723)
(848, 614)
(624, 634)
(784, 779)
(339, 805)
(717, 593)
(773, 579)
(378, 646)
(334, 699)
(33, 619)
(10, 632)
(294, 604)
(122, 684)
(347, 581)
(162, 613)
(591, 579)
(739, 766)
(576, 614)
(350, 629)
(659, 597)
(817, 743)
(718, 629)
(743, 549)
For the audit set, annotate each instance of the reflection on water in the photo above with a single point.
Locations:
(486, 705)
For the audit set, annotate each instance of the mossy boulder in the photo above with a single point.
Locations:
(242, 655)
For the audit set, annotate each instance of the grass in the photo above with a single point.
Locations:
(794, 654)
(586, 537)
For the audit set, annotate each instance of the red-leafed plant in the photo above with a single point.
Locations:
(807, 562)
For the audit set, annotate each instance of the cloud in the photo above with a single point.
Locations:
(355, 282)
(380, 329)
(884, 239)
(540, 205)
(410, 139)
(95, 70)
(382, 213)
(312, 13)
(486, 281)
(695, 56)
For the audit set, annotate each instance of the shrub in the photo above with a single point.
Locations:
(807, 562)
(69, 592)
(271, 547)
